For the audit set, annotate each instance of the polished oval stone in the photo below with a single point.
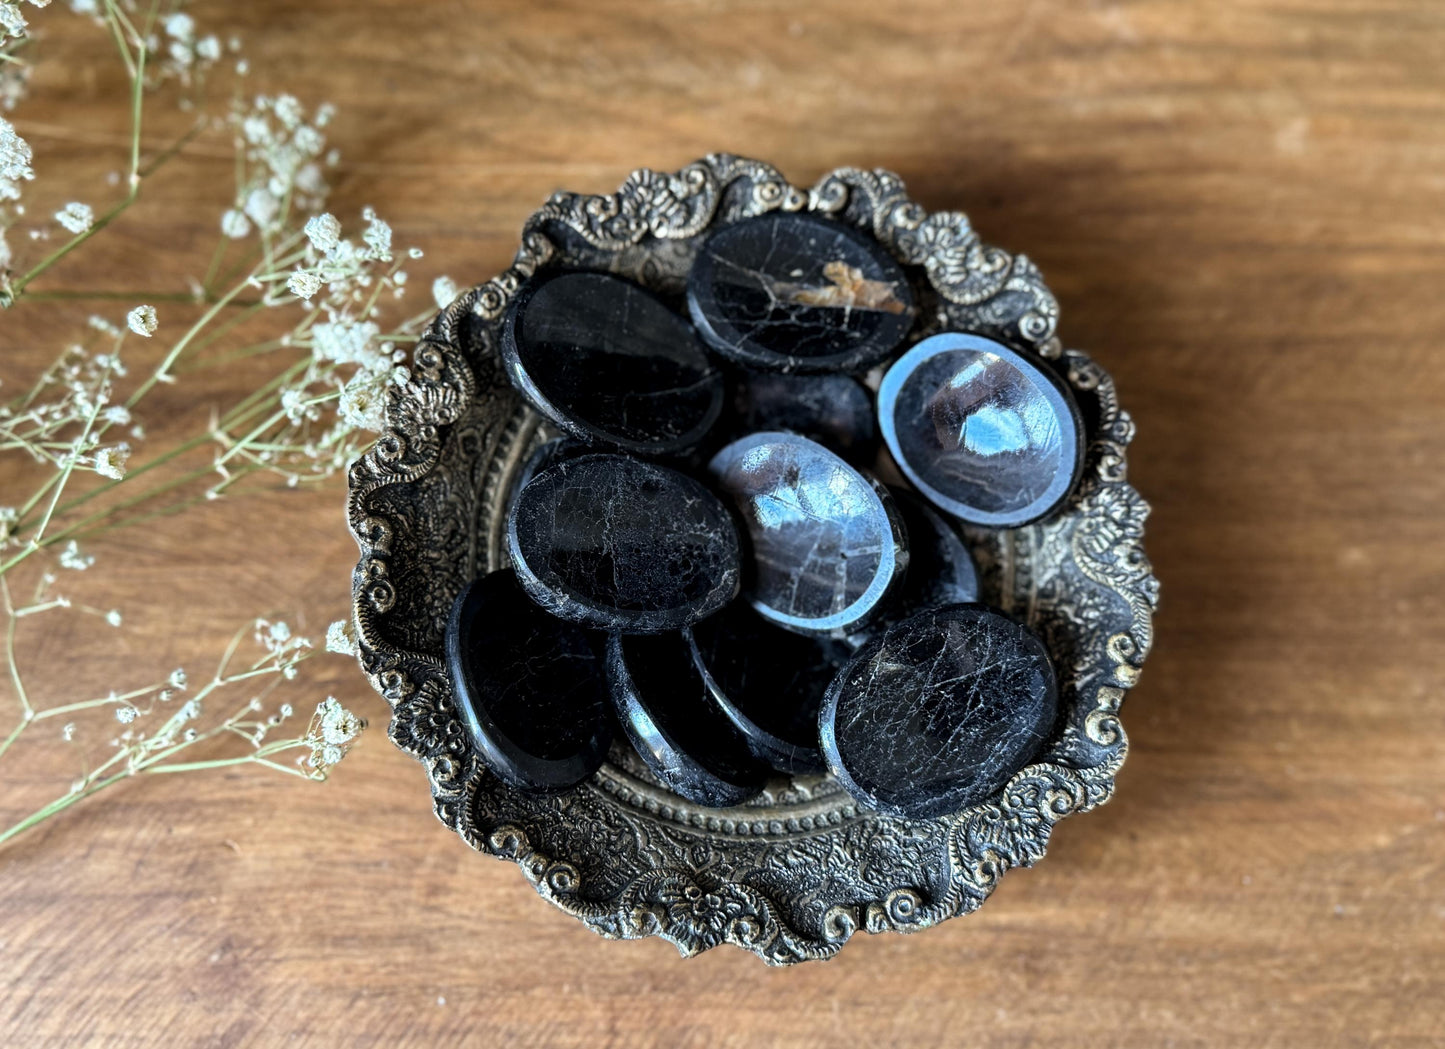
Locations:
(529, 687)
(982, 431)
(939, 711)
(543, 456)
(798, 292)
(675, 727)
(940, 568)
(607, 361)
(621, 544)
(827, 544)
(834, 410)
(769, 682)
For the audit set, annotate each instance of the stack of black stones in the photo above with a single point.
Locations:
(704, 561)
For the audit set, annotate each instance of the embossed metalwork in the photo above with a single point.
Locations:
(794, 873)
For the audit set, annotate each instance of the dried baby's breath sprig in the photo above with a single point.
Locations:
(313, 297)
(161, 729)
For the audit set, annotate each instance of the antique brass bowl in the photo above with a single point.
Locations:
(792, 874)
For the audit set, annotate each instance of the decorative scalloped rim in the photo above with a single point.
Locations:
(980, 288)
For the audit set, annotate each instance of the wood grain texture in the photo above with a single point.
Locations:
(1239, 205)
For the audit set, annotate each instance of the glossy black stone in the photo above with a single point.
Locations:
(543, 456)
(769, 682)
(827, 543)
(674, 725)
(607, 361)
(528, 686)
(797, 292)
(623, 545)
(982, 431)
(939, 711)
(834, 410)
(940, 568)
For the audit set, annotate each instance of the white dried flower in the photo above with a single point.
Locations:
(116, 415)
(304, 284)
(72, 557)
(12, 22)
(14, 161)
(341, 638)
(347, 342)
(377, 235)
(262, 207)
(67, 733)
(113, 617)
(288, 110)
(110, 462)
(339, 726)
(180, 25)
(324, 231)
(76, 217)
(235, 224)
(177, 678)
(444, 291)
(363, 401)
(125, 715)
(142, 320)
(209, 48)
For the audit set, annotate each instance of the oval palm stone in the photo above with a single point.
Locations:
(674, 726)
(620, 544)
(939, 711)
(940, 568)
(529, 687)
(606, 360)
(798, 292)
(769, 682)
(834, 410)
(827, 544)
(982, 431)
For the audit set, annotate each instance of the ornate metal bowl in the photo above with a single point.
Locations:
(791, 875)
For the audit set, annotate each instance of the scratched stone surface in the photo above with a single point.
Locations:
(616, 543)
(939, 711)
(794, 292)
(827, 545)
(980, 429)
(609, 362)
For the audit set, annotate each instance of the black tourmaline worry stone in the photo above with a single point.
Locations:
(684, 737)
(827, 543)
(798, 292)
(623, 545)
(939, 711)
(985, 433)
(940, 568)
(834, 410)
(528, 686)
(770, 683)
(607, 361)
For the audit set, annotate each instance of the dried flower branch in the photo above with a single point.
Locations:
(310, 298)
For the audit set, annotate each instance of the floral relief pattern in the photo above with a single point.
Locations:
(793, 874)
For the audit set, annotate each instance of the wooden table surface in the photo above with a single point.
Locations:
(1241, 207)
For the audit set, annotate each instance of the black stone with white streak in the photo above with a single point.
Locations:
(769, 682)
(798, 292)
(834, 410)
(674, 726)
(528, 686)
(623, 545)
(827, 543)
(984, 432)
(607, 361)
(939, 712)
